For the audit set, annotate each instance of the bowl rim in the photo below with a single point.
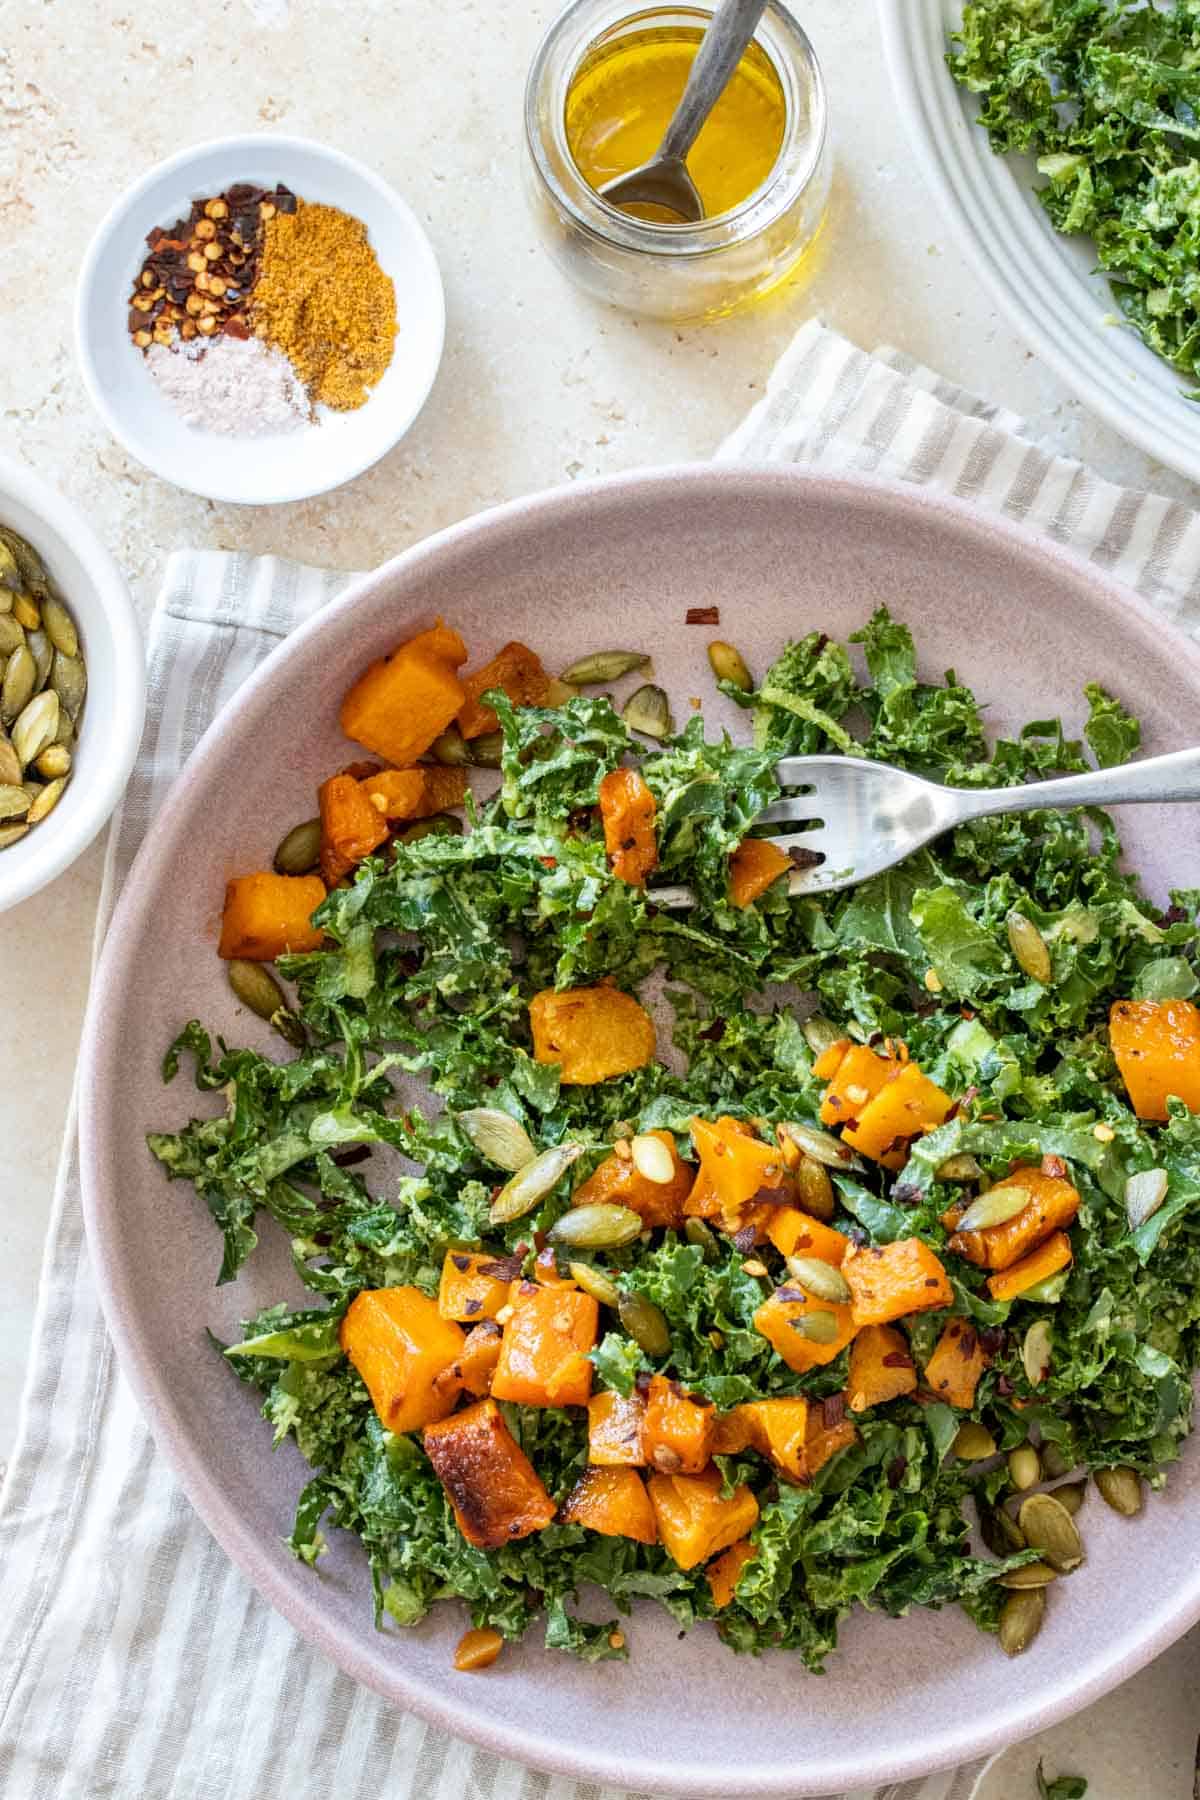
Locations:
(115, 615)
(251, 143)
(698, 1780)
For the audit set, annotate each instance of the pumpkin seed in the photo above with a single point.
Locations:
(822, 1146)
(65, 735)
(996, 1207)
(532, 1182)
(558, 692)
(1144, 1194)
(1029, 947)
(10, 574)
(818, 1326)
(12, 635)
(1035, 1351)
(10, 763)
(451, 749)
(1071, 1495)
(498, 1137)
(46, 800)
(958, 1168)
(255, 987)
(42, 651)
(300, 851)
(6, 600)
(820, 1033)
(973, 1442)
(1024, 1468)
(1029, 1575)
(729, 665)
(27, 612)
(54, 761)
(436, 825)
(1049, 1527)
(819, 1278)
(1021, 1619)
(1121, 1489)
(697, 1232)
(488, 750)
(604, 665)
(68, 678)
(10, 833)
(34, 730)
(652, 1159)
(14, 801)
(599, 1227)
(645, 1323)
(1001, 1534)
(1054, 1463)
(649, 711)
(595, 1282)
(20, 680)
(290, 1027)
(813, 1189)
(60, 627)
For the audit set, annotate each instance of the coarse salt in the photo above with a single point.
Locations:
(239, 387)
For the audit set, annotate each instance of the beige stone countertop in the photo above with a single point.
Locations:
(539, 386)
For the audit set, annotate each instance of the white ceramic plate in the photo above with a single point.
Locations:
(1047, 284)
(284, 466)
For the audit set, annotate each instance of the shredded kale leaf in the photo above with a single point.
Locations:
(431, 957)
(1106, 97)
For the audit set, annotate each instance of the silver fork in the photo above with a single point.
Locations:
(854, 817)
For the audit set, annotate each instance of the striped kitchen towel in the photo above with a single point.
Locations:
(135, 1661)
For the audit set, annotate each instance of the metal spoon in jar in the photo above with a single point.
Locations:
(664, 180)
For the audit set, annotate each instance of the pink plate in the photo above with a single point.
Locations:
(614, 563)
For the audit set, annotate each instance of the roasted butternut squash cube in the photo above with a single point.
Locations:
(677, 1431)
(474, 1285)
(267, 914)
(778, 1430)
(725, 1571)
(617, 1182)
(783, 1321)
(1053, 1204)
(543, 1357)
(615, 1430)
(889, 1281)
(738, 1165)
(881, 1368)
(694, 1523)
(755, 866)
(826, 1437)
(1157, 1047)
(493, 1487)
(402, 702)
(350, 826)
(480, 1354)
(627, 808)
(401, 1345)
(796, 1233)
(904, 1107)
(1039, 1265)
(414, 793)
(703, 1201)
(859, 1075)
(517, 671)
(826, 1066)
(959, 1359)
(613, 1502)
(591, 1033)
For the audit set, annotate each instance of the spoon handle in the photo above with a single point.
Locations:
(720, 52)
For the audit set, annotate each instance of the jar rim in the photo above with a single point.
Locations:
(576, 30)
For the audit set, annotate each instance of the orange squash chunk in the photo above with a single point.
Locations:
(1039, 1265)
(591, 1033)
(518, 671)
(825, 1441)
(1053, 1203)
(613, 1502)
(774, 1320)
(830, 1061)
(400, 1344)
(954, 1369)
(493, 1487)
(1157, 1047)
(725, 1571)
(415, 793)
(796, 1233)
(543, 1358)
(267, 914)
(859, 1076)
(628, 810)
(473, 1286)
(617, 1181)
(881, 1368)
(778, 1430)
(402, 702)
(738, 1166)
(480, 1354)
(901, 1109)
(350, 826)
(703, 1201)
(677, 1431)
(694, 1523)
(615, 1430)
(888, 1281)
(755, 866)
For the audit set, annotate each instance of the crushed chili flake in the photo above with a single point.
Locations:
(703, 615)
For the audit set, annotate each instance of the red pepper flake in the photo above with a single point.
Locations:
(703, 615)
(896, 1359)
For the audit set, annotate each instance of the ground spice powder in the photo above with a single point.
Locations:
(322, 298)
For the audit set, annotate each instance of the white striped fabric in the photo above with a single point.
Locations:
(135, 1663)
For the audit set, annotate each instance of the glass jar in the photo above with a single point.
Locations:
(676, 271)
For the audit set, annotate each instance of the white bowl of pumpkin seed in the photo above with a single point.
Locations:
(72, 684)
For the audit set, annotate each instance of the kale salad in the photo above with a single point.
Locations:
(764, 1260)
(1106, 97)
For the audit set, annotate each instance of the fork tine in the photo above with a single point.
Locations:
(787, 812)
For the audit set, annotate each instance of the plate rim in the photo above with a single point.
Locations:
(947, 168)
(98, 1073)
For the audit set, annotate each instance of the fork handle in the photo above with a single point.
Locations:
(1175, 776)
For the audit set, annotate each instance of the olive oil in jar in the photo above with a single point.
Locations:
(622, 97)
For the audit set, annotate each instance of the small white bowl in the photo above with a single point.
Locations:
(115, 708)
(256, 471)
